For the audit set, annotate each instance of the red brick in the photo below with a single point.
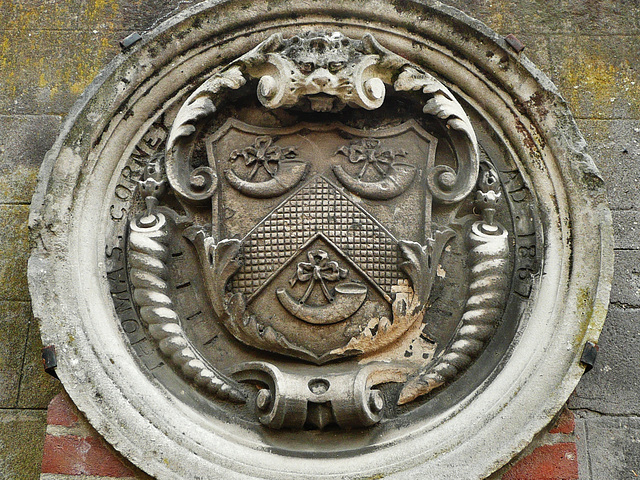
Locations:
(565, 423)
(72, 455)
(549, 462)
(62, 411)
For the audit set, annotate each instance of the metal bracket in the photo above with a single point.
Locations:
(129, 40)
(589, 355)
(514, 42)
(50, 360)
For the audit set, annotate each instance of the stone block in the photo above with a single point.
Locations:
(536, 49)
(605, 17)
(30, 15)
(625, 289)
(37, 388)
(55, 70)
(612, 447)
(14, 252)
(24, 141)
(33, 15)
(612, 387)
(529, 16)
(21, 440)
(14, 323)
(141, 15)
(615, 148)
(597, 75)
(626, 224)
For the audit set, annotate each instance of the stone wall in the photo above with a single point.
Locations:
(50, 51)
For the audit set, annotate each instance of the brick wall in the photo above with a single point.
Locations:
(74, 450)
(50, 51)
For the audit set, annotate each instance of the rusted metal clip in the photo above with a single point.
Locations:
(514, 42)
(50, 360)
(129, 40)
(589, 355)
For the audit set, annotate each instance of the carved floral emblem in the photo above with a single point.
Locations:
(262, 154)
(318, 269)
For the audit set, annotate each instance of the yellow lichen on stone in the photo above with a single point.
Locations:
(598, 85)
(52, 51)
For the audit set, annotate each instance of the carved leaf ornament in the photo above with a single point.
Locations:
(369, 67)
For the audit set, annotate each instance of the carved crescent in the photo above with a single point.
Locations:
(288, 176)
(349, 297)
(395, 183)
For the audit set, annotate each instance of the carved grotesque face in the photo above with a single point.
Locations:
(324, 68)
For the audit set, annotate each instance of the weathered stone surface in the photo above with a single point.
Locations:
(57, 69)
(29, 15)
(612, 447)
(615, 148)
(605, 17)
(14, 251)
(141, 15)
(627, 229)
(536, 49)
(37, 388)
(626, 283)
(69, 43)
(24, 140)
(300, 81)
(530, 16)
(21, 441)
(613, 385)
(598, 78)
(14, 322)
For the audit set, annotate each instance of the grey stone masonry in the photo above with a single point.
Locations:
(612, 446)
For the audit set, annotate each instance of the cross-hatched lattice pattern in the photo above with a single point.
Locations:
(317, 207)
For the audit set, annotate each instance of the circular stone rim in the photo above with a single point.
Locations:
(152, 441)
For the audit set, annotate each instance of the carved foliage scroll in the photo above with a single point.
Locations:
(324, 73)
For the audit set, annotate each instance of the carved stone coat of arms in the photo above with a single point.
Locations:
(318, 244)
(290, 240)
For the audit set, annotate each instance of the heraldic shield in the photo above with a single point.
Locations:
(317, 268)
(291, 261)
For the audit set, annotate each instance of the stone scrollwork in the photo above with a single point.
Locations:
(445, 184)
(148, 254)
(295, 400)
(323, 73)
(488, 290)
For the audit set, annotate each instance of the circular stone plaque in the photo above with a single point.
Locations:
(288, 241)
